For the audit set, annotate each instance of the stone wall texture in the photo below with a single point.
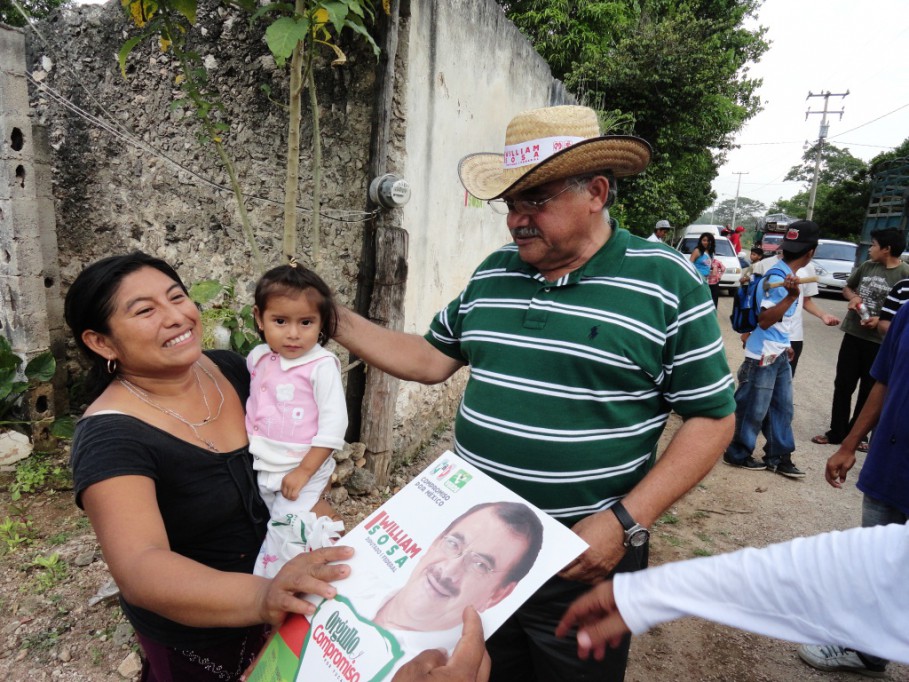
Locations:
(129, 173)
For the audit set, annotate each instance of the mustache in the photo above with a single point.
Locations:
(525, 232)
(446, 584)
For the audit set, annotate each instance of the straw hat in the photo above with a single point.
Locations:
(542, 145)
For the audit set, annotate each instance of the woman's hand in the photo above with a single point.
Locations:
(468, 663)
(308, 573)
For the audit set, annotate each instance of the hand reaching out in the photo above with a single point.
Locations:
(598, 620)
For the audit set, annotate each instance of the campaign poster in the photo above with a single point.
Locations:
(452, 537)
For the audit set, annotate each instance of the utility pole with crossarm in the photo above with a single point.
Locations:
(822, 135)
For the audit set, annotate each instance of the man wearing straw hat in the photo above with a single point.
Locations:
(581, 338)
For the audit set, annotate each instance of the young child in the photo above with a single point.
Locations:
(756, 255)
(296, 413)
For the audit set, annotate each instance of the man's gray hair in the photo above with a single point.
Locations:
(579, 183)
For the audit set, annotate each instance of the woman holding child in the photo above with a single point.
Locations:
(161, 465)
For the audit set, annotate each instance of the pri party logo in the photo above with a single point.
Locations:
(455, 481)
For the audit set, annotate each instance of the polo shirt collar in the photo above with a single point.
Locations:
(607, 258)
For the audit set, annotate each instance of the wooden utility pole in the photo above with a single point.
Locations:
(822, 135)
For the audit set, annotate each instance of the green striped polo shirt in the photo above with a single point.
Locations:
(572, 381)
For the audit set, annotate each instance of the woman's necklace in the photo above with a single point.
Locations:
(145, 398)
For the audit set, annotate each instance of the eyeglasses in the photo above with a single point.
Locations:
(454, 547)
(524, 206)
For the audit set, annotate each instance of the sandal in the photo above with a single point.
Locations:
(863, 446)
(821, 440)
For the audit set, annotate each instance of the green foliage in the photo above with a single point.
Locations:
(837, 165)
(678, 70)
(796, 205)
(219, 310)
(843, 191)
(36, 9)
(746, 213)
(14, 533)
(38, 472)
(39, 369)
(51, 570)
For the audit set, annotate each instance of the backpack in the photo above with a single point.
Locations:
(746, 304)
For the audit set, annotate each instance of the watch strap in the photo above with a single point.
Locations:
(623, 516)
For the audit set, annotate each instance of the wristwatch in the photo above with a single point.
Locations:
(635, 534)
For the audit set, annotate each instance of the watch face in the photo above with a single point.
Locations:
(639, 538)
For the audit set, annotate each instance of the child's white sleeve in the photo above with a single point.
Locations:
(328, 392)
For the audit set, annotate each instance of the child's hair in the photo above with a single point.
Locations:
(295, 279)
(758, 250)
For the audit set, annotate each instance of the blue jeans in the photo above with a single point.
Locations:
(763, 392)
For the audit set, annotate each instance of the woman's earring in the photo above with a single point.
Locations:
(112, 365)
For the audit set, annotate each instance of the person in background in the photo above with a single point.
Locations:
(162, 467)
(591, 325)
(826, 588)
(806, 303)
(763, 400)
(660, 231)
(755, 256)
(705, 262)
(866, 289)
(898, 295)
(884, 480)
(735, 238)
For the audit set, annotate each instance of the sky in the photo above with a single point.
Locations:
(822, 46)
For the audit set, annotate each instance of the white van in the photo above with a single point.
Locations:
(698, 230)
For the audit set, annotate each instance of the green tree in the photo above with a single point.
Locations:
(37, 9)
(746, 212)
(677, 70)
(837, 165)
(796, 206)
(843, 191)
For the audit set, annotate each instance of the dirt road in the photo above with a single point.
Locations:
(734, 508)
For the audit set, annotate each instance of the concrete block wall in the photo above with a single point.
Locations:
(30, 305)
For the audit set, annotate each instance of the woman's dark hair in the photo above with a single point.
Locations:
(711, 243)
(291, 280)
(90, 303)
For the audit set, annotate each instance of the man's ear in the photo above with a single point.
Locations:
(98, 343)
(599, 189)
(500, 593)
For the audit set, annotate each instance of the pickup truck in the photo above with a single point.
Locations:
(770, 231)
